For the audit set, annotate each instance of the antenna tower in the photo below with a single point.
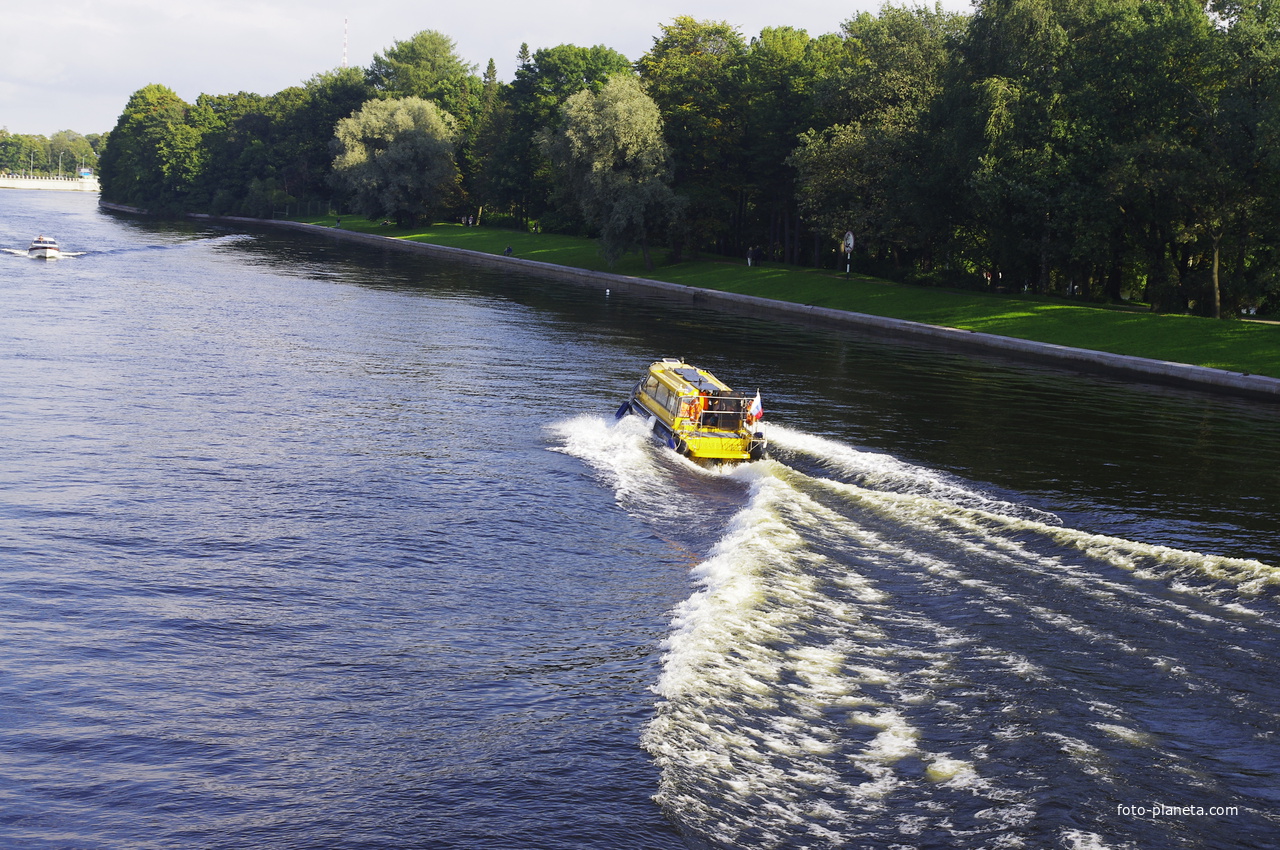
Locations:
(344, 42)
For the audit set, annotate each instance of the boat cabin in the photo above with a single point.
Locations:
(695, 413)
(695, 395)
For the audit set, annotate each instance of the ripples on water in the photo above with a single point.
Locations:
(879, 656)
(307, 546)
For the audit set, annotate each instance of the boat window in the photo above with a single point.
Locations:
(723, 412)
(722, 421)
(663, 396)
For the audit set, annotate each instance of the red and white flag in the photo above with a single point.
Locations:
(756, 411)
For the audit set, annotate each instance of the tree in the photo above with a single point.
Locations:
(1093, 145)
(615, 162)
(694, 73)
(781, 68)
(304, 131)
(153, 155)
(263, 154)
(1243, 131)
(518, 172)
(478, 148)
(396, 158)
(871, 169)
(236, 153)
(425, 66)
(849, 178)
(68, 149)
(20, 154)
(1165, 85)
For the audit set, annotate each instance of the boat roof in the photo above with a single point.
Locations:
(689, 379)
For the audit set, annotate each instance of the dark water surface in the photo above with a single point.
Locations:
(304, 545)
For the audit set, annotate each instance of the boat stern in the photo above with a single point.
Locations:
(720, 446)
(696, 414)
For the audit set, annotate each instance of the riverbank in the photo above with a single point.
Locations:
(1236, 357)
(50, 184)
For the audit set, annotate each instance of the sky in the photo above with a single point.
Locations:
(73, 65)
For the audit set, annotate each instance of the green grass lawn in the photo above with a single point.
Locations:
(1237, 346)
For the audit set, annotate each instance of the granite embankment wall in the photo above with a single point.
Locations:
(56, 184)
(1160, 371)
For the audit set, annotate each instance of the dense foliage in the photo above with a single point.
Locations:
(1099, 149)
(237, 154)
(615, 164)
(62, 155)
(396, 158)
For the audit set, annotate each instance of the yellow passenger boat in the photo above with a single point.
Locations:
(696, 414)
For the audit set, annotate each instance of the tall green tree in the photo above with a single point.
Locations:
(517, 168)
(426, 65)
(872, 166)
(267, 153)
(479, 145)
(21, 153)
(396, 158)
(237, 153)
(694, 72)
(1092, 144)
(612, 155)
(1019, 47)
(68, 150)
(306, 129)
(1241, 202)
(154, 155)
(1170, 80)
(781, 68)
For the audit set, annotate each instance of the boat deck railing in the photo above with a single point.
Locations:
(724, 413)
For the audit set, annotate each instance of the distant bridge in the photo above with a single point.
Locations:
(56, 184)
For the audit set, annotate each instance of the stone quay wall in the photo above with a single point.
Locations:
(1141, 368)
(55, 184)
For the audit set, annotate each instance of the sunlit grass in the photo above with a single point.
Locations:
(1232, 345)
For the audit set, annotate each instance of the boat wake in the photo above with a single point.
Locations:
(218, 241)
(24, 253)
(876, 653)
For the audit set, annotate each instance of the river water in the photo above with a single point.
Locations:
(307, 545)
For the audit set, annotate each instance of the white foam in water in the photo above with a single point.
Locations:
(896, 739)
(1075, 839)
(643, 474)
(884, 472)
(753, 635)
(1124, 733)
(1251, 578)
(994, 536)
(793, 702)
(623, 451)
(952, 771)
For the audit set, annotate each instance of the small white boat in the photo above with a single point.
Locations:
(44, 248)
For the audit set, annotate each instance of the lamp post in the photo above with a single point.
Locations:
(848, 252)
